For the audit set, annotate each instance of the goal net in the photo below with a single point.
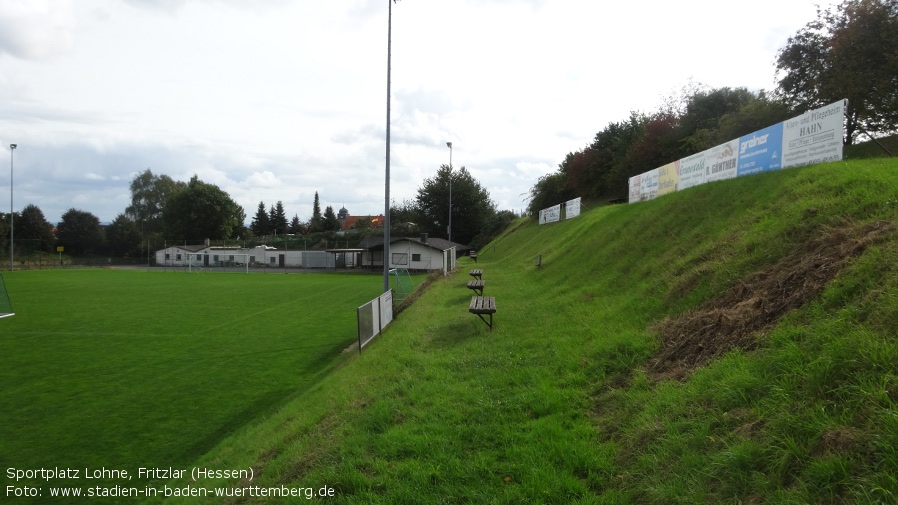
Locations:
(402, 283)
(5, 304)
(211, 262)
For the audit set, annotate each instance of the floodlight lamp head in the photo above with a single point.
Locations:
(13, 146)
(449, 144)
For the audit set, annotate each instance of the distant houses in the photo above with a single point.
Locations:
(416, 254)
(348, 222)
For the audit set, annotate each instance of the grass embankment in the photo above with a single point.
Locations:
(610, 376)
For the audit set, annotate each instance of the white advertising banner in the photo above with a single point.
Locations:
(635, 188)
(572, 208)
(722, 162)
(550, 215)
(386, 309)
(373, 317)
(814, 137)
(692, 170)
(649, 188)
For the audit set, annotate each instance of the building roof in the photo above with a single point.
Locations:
(376, 243)
(349, 221)
(189, 248)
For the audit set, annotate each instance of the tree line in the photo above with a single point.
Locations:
(163, 209)
(850, 51)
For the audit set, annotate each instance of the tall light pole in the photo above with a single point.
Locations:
(387, 178)
(12, 147)
(450, 190)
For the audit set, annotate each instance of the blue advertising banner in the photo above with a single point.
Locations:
(761, 151)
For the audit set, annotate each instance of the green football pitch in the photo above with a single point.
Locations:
(127, 369)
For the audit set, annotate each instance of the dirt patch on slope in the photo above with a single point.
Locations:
(733, 320)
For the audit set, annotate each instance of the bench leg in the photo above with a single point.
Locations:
(488, 323)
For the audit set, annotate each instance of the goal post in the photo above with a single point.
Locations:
(5, 303)
(402, 285)
(218, 263)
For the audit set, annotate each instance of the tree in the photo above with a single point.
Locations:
(330, 221)
(850, 52)
(31, 225)
(240, 229)
(495, 226)
(149, 193)
(362, 224)
(471, 209)
(657, 146)
(404, 218)
(549, 190)
(701, 119)
(763, 111)
(200, 211)
(296, 226)
(260, 224)
(316, 223)
(79, 232)
(122, 236)
(277, 219)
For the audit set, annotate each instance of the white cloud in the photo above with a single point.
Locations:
(36, 29)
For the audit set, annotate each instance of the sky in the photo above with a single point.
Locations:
(274, 100)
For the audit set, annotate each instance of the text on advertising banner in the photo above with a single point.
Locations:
(635, 188)
(668, 178)
(815, 136)
(692, 171)
(649, 188)
(761, 151)
(722, 162)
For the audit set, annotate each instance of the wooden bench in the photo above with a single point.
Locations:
(473, 256)
(476, 286)
(481, 305)
(477, 272)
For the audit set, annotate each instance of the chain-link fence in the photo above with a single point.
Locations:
(35, 254)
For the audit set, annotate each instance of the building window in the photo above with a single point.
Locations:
(252, 259)
(178, 257)
(167, 256)
(416, 257)
(400, 258)
(271, 260)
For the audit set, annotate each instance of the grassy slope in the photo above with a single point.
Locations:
(556, 404)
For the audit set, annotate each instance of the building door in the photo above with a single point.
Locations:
(281, 260)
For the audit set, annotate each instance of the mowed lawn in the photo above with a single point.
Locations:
(133, 368)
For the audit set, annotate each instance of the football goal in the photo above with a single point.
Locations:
(5, 304)
(211, 262)
(402, 283)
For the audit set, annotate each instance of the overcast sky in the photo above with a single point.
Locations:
(277, 99)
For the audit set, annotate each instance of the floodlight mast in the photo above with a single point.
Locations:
(386, 258)
(450, 190)
(12, 147)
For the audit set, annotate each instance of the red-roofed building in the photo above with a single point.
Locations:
(348, 222)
